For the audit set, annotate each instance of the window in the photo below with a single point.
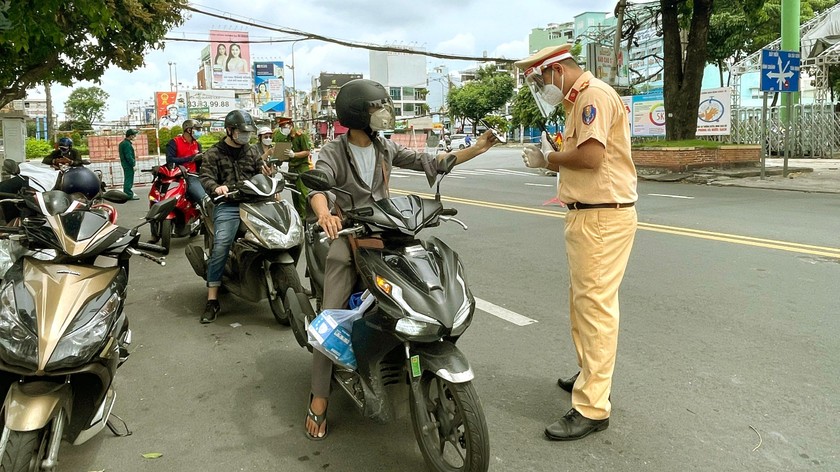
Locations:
(398, 111)
(395, 93)
(407, 107)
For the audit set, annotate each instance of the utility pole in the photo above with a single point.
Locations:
(50, 123)
(619, 15)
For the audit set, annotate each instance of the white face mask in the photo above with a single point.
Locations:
(381, 119)
(552, 94)
(285, 130)
(266, 141)
(242, 137)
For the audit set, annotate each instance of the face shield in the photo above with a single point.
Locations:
(381, 114)
(536, 83)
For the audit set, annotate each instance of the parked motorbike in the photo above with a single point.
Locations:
(63, 331)
(262, 259)
(170, 181)
(422, 306)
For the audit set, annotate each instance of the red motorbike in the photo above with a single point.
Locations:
(170, 181)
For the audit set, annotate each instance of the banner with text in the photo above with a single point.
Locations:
(714, 116)
(269, 87)
(230, 60)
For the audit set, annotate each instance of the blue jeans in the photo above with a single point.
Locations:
(225, 224)
(195, 192)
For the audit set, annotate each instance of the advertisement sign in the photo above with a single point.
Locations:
(269, 87)
(206, 104)
(230, 60)
(648, 115)
(714, 115)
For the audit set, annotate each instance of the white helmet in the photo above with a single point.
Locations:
(263, 130)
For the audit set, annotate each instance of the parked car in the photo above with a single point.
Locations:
(458, 141)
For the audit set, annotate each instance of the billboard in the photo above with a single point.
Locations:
(173, 108)
(714, 114)
(269, 86)
(230, 60)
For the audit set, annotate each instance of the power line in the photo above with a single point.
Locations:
(341, 42)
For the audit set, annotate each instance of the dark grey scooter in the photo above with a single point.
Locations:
(407, 337)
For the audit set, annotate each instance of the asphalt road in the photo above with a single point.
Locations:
(728, 354)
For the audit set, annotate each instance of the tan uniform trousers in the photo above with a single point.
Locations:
(598, 244)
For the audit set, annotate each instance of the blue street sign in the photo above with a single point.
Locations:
(779, 71)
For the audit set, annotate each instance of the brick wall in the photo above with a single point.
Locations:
(107, 148)
(680, 159)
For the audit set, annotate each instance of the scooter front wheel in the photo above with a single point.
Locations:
(451, 429)
(166, 235)
(284, 276)
(24, 451)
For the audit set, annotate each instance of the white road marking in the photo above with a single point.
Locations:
(518, 172)
(503, 313)
(670, 196)
(539, 185)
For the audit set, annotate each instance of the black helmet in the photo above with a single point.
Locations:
(241, 120)
(80, 180)
(355, 97)
(65, 142)
(192, 124)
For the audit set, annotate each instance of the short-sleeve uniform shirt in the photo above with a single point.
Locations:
(595, 111)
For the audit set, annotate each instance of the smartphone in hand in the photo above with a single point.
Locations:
(499, 136)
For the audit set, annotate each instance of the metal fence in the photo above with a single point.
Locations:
(814, 130)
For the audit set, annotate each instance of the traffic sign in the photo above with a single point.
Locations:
(779, 70)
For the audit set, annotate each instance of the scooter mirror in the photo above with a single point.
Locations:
(115, 196)
(317, 180)
(10, 167)
(160, 210)
(446, 164)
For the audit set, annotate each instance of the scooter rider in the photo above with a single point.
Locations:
(229, 162)
(181, 151)
(65, 154)
(360, 163)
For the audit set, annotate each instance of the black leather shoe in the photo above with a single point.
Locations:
(568, 384)
(574, 426)
(211, 311)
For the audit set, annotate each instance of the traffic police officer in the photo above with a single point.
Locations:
(597, 180)
(298, 156)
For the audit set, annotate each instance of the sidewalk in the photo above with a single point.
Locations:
(804, 175)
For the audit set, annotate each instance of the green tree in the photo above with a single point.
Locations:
(683, 73)
(64, 42)
(86, 104)
(474, 100)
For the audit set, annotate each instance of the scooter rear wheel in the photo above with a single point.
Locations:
(166, 234)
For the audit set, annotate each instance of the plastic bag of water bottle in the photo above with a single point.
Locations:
(330, 331)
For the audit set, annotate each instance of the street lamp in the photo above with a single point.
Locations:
(294, 84)
(173, 86)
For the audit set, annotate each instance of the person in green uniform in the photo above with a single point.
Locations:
(299, 156)
(127, 160)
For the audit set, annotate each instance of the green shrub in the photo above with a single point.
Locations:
(36, 149)
(209, 139)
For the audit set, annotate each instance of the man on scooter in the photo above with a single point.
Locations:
(229, 162)
(360, 164)
(182, 151)
(65, 154)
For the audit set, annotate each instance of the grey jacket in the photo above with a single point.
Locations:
(335, 159)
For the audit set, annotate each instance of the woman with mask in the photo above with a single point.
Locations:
(227, 163)
(265, 146)
(298, 156)
(365, 107)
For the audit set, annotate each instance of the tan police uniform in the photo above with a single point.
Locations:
(598, 237)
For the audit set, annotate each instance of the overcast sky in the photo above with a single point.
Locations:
(469, 27)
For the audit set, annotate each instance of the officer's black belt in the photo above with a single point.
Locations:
(588, 206)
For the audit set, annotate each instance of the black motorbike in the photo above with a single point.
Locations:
(262, 259)
(407, 337)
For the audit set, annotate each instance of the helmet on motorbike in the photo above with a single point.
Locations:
(80, 180)
(241, 120)
(189, 124)
(354, 100)
(65, 143)
(263, 130)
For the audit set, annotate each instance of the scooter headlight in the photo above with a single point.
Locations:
(414, 328)
(414, 324)
(79, 345)
(273, 238)
(18, 341)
